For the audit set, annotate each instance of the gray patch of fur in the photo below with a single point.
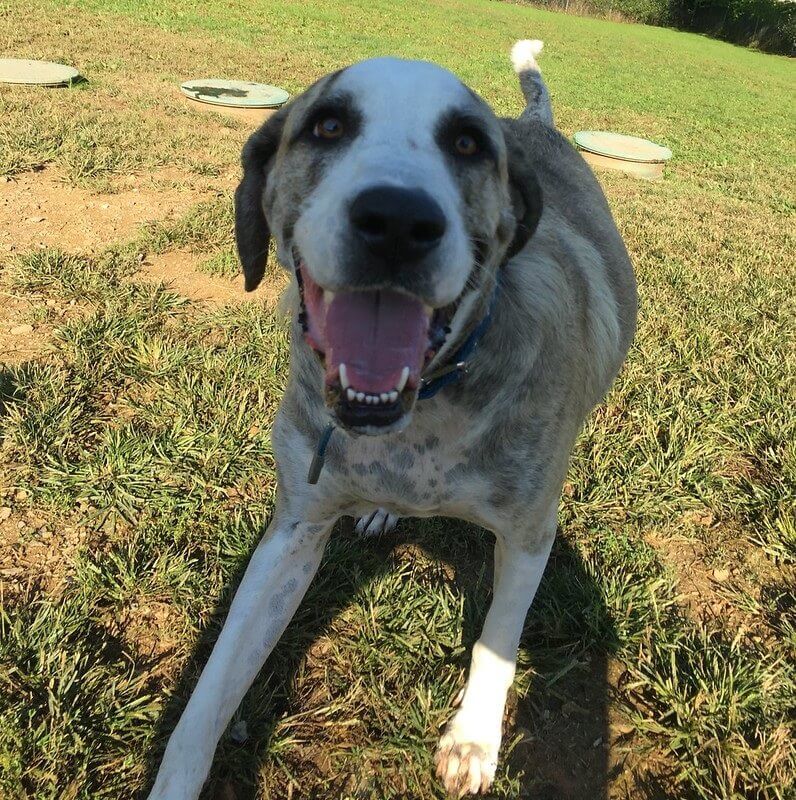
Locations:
(277, 602)
(393, 483)
(457, 473)
(276, 605)
(272, 633)
(403, 459)
(315, 528)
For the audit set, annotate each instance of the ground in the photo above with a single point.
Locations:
(138, 385)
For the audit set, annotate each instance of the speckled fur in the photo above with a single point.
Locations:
(501, 437)
(491, 449)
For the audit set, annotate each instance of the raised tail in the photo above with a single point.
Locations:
(523, 57)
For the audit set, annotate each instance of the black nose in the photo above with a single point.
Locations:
(397, 224)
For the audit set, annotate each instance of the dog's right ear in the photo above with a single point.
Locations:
(251, 228)
(524, 188)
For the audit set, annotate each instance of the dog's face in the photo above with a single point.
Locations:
(388, 190)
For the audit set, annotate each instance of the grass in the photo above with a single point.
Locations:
(657, 660)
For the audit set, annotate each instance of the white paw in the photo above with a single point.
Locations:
(466, 757)
(380, 521)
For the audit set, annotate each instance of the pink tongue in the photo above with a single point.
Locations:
(376, 335)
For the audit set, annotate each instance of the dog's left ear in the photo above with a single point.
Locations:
(526, 194)
(251, 227)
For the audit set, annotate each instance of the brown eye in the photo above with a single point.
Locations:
(466, 145)
(328, 128)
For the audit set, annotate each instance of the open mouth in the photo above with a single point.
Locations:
(374, 345)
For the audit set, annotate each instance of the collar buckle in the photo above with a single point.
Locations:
(458, 366)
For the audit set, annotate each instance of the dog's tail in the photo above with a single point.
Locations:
(523, 57)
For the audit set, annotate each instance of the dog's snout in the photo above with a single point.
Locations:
(397, 224)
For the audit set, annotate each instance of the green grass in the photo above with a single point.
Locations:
(657, 660)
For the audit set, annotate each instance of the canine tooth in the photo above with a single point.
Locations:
(351, 394)
(403, 380)
(360, 396)
(344, 377)
(385, 397)
(327, 296)
(428, 309)
(393, 396)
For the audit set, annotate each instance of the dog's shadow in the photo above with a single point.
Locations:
(557, 724)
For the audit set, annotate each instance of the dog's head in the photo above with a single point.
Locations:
(389, 191)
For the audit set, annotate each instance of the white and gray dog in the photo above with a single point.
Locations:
(463, 301)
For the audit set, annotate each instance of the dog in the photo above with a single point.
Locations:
(463, 301)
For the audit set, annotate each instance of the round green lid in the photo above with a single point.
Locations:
(241, 94)
(35, 73)
(617, 145)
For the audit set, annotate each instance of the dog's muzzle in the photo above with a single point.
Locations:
(375, 338)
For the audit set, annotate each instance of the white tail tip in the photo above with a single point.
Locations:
(523, 54)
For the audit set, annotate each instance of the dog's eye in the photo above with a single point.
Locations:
(466, 144)
(328, 128)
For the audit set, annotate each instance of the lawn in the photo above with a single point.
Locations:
(138, 385)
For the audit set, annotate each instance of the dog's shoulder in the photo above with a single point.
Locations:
(577, 230)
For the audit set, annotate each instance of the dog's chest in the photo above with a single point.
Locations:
(424, 471)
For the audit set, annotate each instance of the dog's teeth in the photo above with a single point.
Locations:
(344, 377)
(369, 399)
(404, 378)
(429, 310)
(327, 296)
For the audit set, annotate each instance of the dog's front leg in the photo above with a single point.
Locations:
(272, 587)
(468, 751)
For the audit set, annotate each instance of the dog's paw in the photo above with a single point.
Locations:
(380, 521)
(466, 759)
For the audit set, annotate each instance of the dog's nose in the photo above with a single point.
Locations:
(397, 224)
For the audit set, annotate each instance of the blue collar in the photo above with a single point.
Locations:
(457, 368)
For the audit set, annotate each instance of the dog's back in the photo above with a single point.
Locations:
(576, 236)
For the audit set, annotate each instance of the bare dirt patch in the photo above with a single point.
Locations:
(21, 338)
(27, 322)
(39, 210)
(179, 271)
(36, 550)
(154, 631)
(720, 577)
(687, 558)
